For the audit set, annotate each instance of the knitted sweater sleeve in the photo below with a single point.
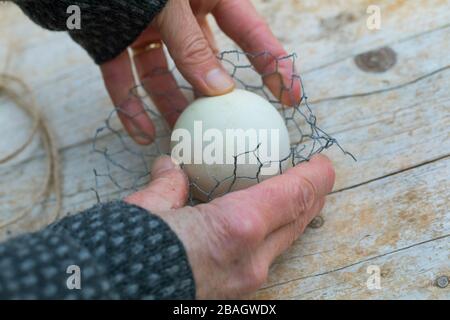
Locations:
(111, 251)
(107, 27)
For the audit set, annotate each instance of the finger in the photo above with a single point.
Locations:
(157, 80)
(207, 32)
(241, 22)
(118, 78)
(280, 240)
(278, 201)
(191, 51)
(209, 35)
(167, 190)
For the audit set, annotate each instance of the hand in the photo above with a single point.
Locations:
(231, 241)
(182, 26)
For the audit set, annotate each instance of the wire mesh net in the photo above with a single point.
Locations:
(126, 164)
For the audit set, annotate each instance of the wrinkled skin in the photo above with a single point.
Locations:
(183, 28)
(231, 241)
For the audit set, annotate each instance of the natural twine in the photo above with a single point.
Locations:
(52, 180)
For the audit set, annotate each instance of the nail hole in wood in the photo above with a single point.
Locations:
(317, 222)
(442, 282)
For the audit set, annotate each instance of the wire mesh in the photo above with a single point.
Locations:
(127, 164)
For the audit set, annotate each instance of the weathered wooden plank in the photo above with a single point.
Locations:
(327, 31)
(340, 115)
(69, 88)
(388, 132)
(360, 223)
(409, 273)
(372, 220)
(389, 222)
(391, 131)
(398, 133)
(416, 57)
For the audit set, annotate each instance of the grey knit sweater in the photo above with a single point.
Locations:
(117, 251)
(114, 250)
(108, 27)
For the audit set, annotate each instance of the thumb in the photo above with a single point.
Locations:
(191, 51)
(167, 190)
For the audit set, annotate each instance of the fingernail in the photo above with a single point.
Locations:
(162, 165)
(218, 80)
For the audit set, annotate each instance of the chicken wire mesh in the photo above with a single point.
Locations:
(127, 165)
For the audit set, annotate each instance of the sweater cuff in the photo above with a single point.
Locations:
(143, 258)
(108, 27)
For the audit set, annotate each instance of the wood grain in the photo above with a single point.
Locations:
(384, 223)
(389, 209)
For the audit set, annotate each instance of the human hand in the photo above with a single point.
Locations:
(231, 241)
(182, 26)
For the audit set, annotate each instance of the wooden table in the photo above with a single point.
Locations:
(389, 211)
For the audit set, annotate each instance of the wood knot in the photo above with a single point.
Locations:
(316, 223)
(377, 61)
(442, 282)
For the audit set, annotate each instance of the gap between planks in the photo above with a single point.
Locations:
(358, 262)
(312, 102)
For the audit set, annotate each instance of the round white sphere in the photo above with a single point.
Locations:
(230, 142)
